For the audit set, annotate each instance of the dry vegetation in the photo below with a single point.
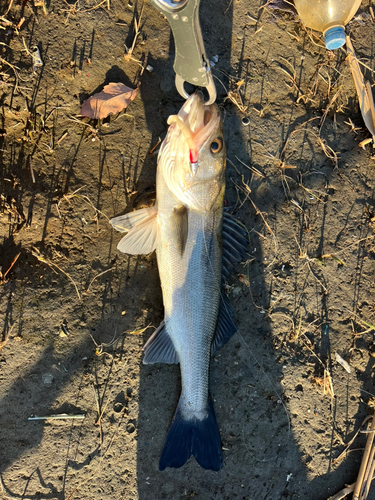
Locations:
(300, 178)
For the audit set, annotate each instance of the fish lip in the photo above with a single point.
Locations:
(210, 116)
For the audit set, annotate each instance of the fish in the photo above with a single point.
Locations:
(197, 245)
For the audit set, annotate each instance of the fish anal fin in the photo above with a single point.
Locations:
(180, 225)
(225, 327)
(159, 348)
(197, 437)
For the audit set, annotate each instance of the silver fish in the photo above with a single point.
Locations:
(197, 246)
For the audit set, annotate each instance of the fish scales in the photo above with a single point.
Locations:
(191, 294)
(186, 228)
(190, 282)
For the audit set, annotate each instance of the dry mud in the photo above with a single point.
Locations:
(73, 324)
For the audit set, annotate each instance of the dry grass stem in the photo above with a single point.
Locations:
(330, 104)
(137, 30)
(86, 199)
(235, 95)
(140, 331)
(349, 246)
(6, 336)
(96, 277)
(154, 147)
(100, 409)
(360, 321)
(366, 469)
(351, 442)
(40, 257)
(298, 129)
(253, 169)
(328, 151)
(304, 255)
(234, 166)
(99, 348)
(3, 276)
(292, 76)
(258, 212)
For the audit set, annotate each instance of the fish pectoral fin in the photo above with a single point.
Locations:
(124, 223)
(235, 243)
(180, 226)
(225, 327)
(159, 348)
(142, 237)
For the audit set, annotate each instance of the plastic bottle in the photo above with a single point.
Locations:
(328, 16)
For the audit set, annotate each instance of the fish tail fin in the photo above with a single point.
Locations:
(200, 438)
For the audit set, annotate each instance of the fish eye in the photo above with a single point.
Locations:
(216, 145)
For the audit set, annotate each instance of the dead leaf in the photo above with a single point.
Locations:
(366, 101)
(112, 99)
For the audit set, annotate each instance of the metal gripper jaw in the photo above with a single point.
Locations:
(191, 64)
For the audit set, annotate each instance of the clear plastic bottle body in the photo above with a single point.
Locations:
(323, 15)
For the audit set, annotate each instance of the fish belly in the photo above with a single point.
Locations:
(191, 295)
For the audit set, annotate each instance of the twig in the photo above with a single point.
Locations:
(3, 276)
(359, 485)
(351, 441)
(97, 276)
(253, 169)
(343, 493)
(154, 147)
(298, 129)
(352, 244)
(6, 336)
(85, 198)
(140, 331)
(58, 417)
(31, 169)
(40, 257)
(137, 29)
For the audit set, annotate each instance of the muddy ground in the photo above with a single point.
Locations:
(75, 313)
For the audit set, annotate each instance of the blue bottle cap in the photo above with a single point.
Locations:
(334, 38)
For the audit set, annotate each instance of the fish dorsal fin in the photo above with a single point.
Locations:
(235, 242)
(142, 227)
(159, 348)
(180, 226)
(225, 327)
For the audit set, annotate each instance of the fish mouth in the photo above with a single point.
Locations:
(197, 122)
(200, 119)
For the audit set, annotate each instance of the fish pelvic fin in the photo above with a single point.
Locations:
(200, 438)
(142, 228)
(124, 223)
(180, 225)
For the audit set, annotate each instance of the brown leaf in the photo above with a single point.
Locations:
(112, 99)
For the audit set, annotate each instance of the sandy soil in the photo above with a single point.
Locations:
(75, 313)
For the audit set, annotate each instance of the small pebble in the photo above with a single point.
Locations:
(47, 379)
